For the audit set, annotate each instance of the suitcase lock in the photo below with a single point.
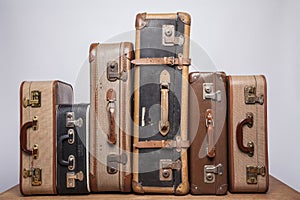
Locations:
(34, 101)
(166, 167)
(210, 172)
(35, 174)
(113, 73)
(113, 161)
(71, 177)
(250, 95)
(169, 38)
(71, 121)
(253, 171)
(208, 92)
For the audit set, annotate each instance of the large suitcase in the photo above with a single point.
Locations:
(161, 103)
(208, 133)
(73, 149)
(248, 145)
(38, 101)
(110, 119)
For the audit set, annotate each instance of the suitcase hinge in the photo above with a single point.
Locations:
(253, 171)
(169, 38)
(166, 167)
(71, 177)
(210, 172)
(35, 174)
(250, 95)
(113, 161)
(34, 101)
(113, 73)
(71, 121)
(208, 92)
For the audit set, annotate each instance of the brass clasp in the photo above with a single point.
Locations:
(34, 101)
(250, 95)
(35, 174)
(253, 171)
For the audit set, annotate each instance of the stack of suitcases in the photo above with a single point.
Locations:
(150, 127)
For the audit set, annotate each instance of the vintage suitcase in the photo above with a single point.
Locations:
(161, 103)
(111, 123)
(73, 149)
(248, 144)
(38, 101)
(208, 133)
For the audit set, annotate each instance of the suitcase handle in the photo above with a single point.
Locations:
(239, 135)
(23, 136)
(71, 160)
(111, 109)
(211, 149)
(164, 124)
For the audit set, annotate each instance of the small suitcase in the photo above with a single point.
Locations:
(248, 144)
(73, 149)
(161, 103)
(38, 101)
(110, 119)
(208, 133)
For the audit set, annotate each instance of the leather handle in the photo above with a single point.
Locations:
(23, 135)
(60, 150)
(164, 124)
(111, 109)
(211, 149)
(239, 135)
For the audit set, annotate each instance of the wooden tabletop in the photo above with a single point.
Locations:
(277, 190)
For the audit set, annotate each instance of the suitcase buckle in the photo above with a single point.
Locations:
(210, 172)
(71, 177)
(169, 38)
(208, 92)
(35, 174)
(113, 161)
(166, 167)
(253, 171)
(251, 97)
(71, 121)
(34, 101)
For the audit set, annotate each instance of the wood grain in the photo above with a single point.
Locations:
(277, 190)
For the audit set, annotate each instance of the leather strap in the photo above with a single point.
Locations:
(111, 109)
(23, 136)
(239, 134)
(158, 144)
(162, 61)
(211, 151)
(164, 124)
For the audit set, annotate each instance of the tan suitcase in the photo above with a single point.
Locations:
(110, 120)
(248, 144)
(38, 101)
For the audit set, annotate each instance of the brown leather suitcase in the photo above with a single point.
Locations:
(161, 103)
(38, 101)
(208, 133)
(248, 144)
(110, 119)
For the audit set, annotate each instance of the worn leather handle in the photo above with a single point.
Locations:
(111, 109)
(23, 136)
(60, 150)
(164, 124)
(211, 150)
(239, 135)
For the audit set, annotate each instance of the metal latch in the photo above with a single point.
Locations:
(208, 92)
(113, 73)
(71, 177)
(250, 95)
(113, 161)
(35, 174)
(169, 38)
(34, 101)
(166, 166)
(253, 171)
(210, 172)
(71, 121)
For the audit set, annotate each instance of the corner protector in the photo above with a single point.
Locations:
(140, 21)
(137, 187)
(128, 50)
(92, 51)
(185, 17)
(182, 189)
(193, 76)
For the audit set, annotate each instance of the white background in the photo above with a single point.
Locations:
(50, 40)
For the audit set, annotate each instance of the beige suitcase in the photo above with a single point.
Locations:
(38, 101)
(110, 120)
(248, 144)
